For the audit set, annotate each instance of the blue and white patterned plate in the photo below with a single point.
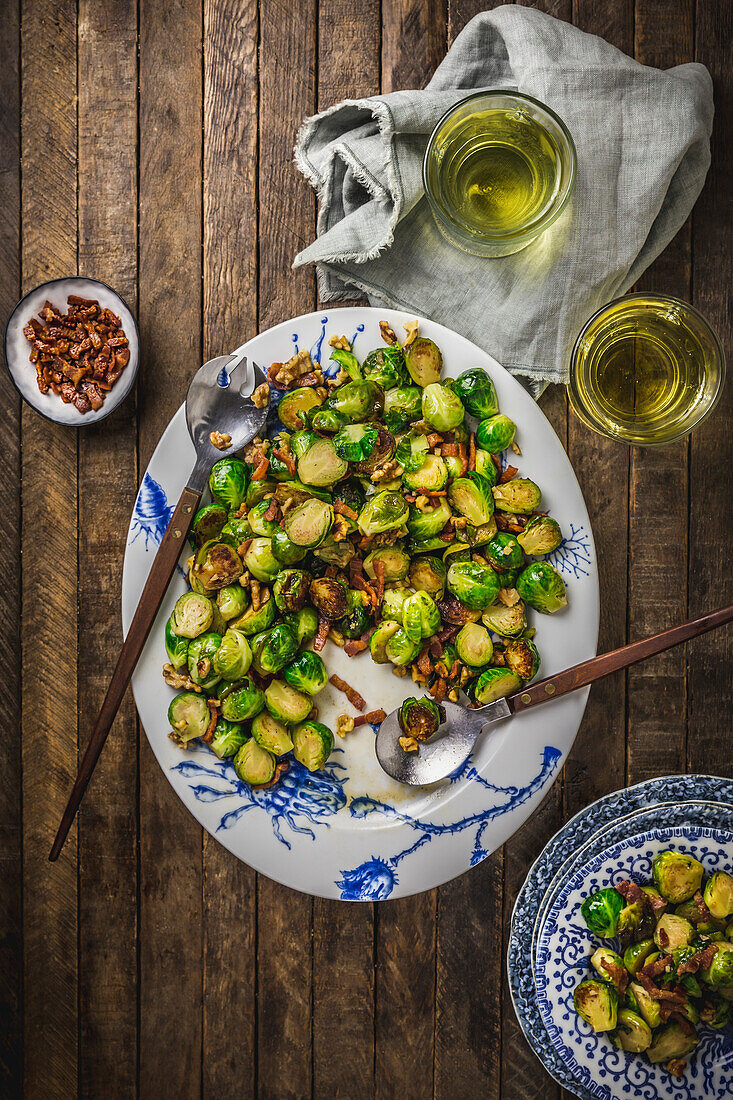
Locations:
(349, 831)
(549, 947)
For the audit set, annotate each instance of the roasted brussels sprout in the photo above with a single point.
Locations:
(476, 391)
(189, 716)
(427, 523)
(401, 649)
(207, 524)
(541, 535)
(312, 744)
(504, 552)
(192, 615)
(381, 452)
(542, 587)
(357, 618)
(522, 657)
(602, 958)
(286, 703)
(320, 465)
(474, 585)
(260, 561)
(420, 718)
(601, 912)
(385, 366)
(228, 482)
(295, 403)
(495, 683)
(270, 734)
(273, 649)
(597, 1003)
(254, 765)
(716, 1012)
(334, 553)
(303, 623)
(379, 639)
(350, 492)
(486, 467)
(258, 490)
(228, 738)
(393, 602)
(420, 616)
(632, 1033)
(672, 932)
(306, 672)
(217, 565)
(232, 601)
(720, 972)
(355, 441)
(411, 451)
(236, 529)
(677, 876)
(201, 652)
(474, 646)
(509, 622)
(233, 657)
(636, 954)
(441, 407)
(428, 573)
(357, 401)
(290, 590)
(329, 597)
(348, 362)
(325, 420)
(265, 528)
(176, 647)
(243, 701)
(496, 433)
(253, 622)
(471, 496)
(630, 923)
(718, 895)
(424, 361)
(384, 512)
(431, 476)
(300, 442)
(395, 563)
(455, 613)
(518, 496)
(284, 551)
(402, 405)
(671, 1042)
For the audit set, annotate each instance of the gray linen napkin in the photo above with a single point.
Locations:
(642, 137)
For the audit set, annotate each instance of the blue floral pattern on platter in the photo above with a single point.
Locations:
(663, 810)
(152, 512)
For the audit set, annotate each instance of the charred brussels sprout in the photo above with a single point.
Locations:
(597, 1003)
(718, 895)
(320, 465)
(471, 496)
(521, 656)
(355, 442)
(253, 622)
(378, 641)
(228, 738)
(542, 587)
(424, 361)
(176, 647)
(329, 597)
(357, 618)
(495, 683)
(420, 616)
(476, 391)
(189, 716)
(207, 524)
(631, 1033)
(357, 401)
(601, 912)
(496, 433)
(312, 744)
(384, 512)
(234, 656)
(380, 453)
(393, 602)
(542, 535)
(671, 1042)
(271, 734)
(290, 589)
(402, 405)
(243, 701)
(306, 672)
(518, 496)
(303, 623)
(504, 552)
(509, 622)
(286, 703)
(192, 615)
(394, 562)
(232, 601)
(420, 718)
(474, 646)
(428, 523)
(441, 407)
(201, 652)
(228, 482)
(284, 551)
(401, 649)
(253, 764)
(431, 476)
(428, 573)
(273, 649)
(295, 404)
(677, 876)
(260, 561)
(474, 585)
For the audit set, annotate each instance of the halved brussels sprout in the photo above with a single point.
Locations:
(427, 524)
(295, 403)
(718, 895)
(243, 701)
(648, 1008)
(474, 646)
(207, 524)
(300, 442)
(260, 561)
(504, 552)
(296, 492)
(431, 476)
(290, 589)
(393, 602)
(326, 420)
(228, 738)
(476, 391)
(254, 765)
(496, 433)
(175, 646)
(264, 528)
(216, 565)
(253, 622)
(420, 617)
(601, 911)
(715, 1011)
(402, 405)
(271, 734)
(189, 716)
(542, 587)
(495, 683)
(306, 672)
(441, 407)
(379, 639)
(355, 442)
(201, 652)
(285, 551)
(273, 649)
(672, 932)
(258, 490)
(427, 573)
(400, 649)
(385, 366)
(485, 466)
(228, 482)
(478, 536)
(720, 972)
(509, 622)
(312, 744)
(385, 511)
(412, 450)
(677, 876)
(455, 613)
(329, 597)
(233, 657)
(541, 535)
(522, 657)
(380, 453)
(335, 553)
(475, 585)
(357, 401)
(424, 361)
(309, 523)
(303, 623)
(395, 563)
(425, 546)
(420, 718)
(286, 703)
(636, 954)
(632, 1033)
(597, 1003)
(357, 619)
(232, 601)
(518, 496)
(320, 465)
(605, 955)
(671, 1042)
(471, 496)
(192, 615)
(348, 361)
(631, 923)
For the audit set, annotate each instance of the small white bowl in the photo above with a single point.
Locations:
(17, 348)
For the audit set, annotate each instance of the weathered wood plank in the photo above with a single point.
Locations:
(171, 912)
(414, 34)
(230, 317)
(107, 485)
(49, 537)
(710, 698)
(11, 937)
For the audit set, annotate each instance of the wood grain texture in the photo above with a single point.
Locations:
(49, 533)
(11, 936)
(229, 317)
(170, 215)
(414, 37)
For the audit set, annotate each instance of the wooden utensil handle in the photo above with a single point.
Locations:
(597, 667)
(155, 588)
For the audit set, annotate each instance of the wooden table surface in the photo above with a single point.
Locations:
(150, 145)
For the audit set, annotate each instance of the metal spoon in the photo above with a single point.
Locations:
(455, 738)
(217, 400)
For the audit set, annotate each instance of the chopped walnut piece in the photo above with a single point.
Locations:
(387, 472)
(221, 440)
(387, 332)
(339, 342)
(344, 725)
(256, 594)
(336, 637)
(255, 451)
(408, 744)
(411, 330)
(677, 1067)
(298, 364)
(261, 396)
(508, 596)
(422, 503)
(179, 680)
(399, 671)
(339, 530)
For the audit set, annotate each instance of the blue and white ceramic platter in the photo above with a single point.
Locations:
(550, 945)
(349, 831)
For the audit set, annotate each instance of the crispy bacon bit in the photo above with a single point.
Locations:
(618, 974)
(463, 459)
(423, 663)
(472, 451)
(351, 693)
(331, 571)
(449, 450)
(439, 689)
(654, 969)
(701, 960)
(286, 459)
(657, 902)
(663, 938)
(631, 891)
(280, 768)
(497, 463)
(352, 648)
(379, 570)
(505, 523)
(273, 510)
(705, 914)
(508, 474)
(434, 438)
(324, 625)
(676, 1000)
(372, 718)
(447, 534)
(342, 509)
(449, 632)
(685, 1025)
(212, 705)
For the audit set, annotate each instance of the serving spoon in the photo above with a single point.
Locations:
(218, 399)
(452, 743)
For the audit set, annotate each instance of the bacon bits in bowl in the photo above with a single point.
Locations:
(72, 350)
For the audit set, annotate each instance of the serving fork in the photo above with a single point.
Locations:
(218, 400)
